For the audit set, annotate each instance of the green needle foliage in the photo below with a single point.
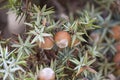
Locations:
(65, 56)
(59, 70)
(24, 48)
(82, 62)
(8, 64)
(88, 60)
(94, 52)
(39, 35)
(106, 67)
(97, 76)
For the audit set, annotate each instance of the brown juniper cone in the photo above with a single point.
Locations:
(48, 43)
(116, 60)
(62, 39)
(116, 32)
(46, 74)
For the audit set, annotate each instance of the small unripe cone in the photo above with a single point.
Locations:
(116, 32)
(62, 39)
(48, 43)
(46, 74)
(116, 59)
